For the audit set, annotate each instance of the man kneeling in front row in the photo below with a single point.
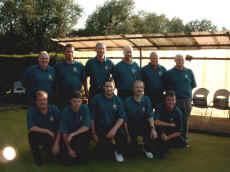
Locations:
(107, 118)
(140, 121)
(169, 125)
(75, 125)
(43, 124)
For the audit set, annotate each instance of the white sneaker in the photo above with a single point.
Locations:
(118, 156)
(148, 155)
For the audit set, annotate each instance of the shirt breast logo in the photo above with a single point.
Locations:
(133, 70)
(186, 76)
(160, 73)
(50, 77)
(75, 69)
(115, 106)
(171, 119)
(106, 67)
(143, 109)
(51, 119)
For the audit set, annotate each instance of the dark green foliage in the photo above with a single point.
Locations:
(28, 25)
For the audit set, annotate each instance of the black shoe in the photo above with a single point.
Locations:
(159, 155)
(37, 159)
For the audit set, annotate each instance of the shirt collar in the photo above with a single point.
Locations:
(142, 100)
(178, 69)
(105, 59)
(39, 67)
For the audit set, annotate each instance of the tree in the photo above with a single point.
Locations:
(36, 21)
(156, 23)
(108, 18)
(175, 25)
(199, 26)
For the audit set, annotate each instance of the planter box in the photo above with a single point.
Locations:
(210, 124)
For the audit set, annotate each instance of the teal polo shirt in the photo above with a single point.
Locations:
(98, 71)
(72, 121)
(48, 121)
(153, 79)
(106, 111)
(181, 81)
(125, 74)
(70, 76)
(138, 111)
(175, 116)
(35, 78)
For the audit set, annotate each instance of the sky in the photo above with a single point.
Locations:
(187, 10)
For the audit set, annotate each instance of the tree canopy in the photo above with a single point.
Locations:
(28, 25)
(34, 22)
(119, 17)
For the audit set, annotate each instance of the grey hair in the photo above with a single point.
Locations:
(100, 44)
(179, 56)
(127, 47)
(43, 53)
(153, 52)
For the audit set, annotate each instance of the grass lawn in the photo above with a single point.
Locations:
(207, 153)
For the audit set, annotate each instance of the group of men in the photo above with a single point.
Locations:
(115, 122)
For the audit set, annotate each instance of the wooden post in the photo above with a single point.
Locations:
(140, 57)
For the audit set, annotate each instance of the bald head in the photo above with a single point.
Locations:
(128, 53)
(154, 59)
(179, 59)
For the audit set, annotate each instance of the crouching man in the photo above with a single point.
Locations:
(107, 118)
(43, 124)
(140, 121)
(75, 125)
(169, 124)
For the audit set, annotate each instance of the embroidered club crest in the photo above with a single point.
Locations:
(133, 70)
(115, 106)
(50, 77)
(143, 109)
(106, 67)
(51, 119)
(75, 69)
(186, 76)
(160, 73)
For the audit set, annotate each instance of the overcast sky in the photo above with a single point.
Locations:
(216, 11)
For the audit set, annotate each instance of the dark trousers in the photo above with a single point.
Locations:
(164, 146)
(39, 141)
(138, 128)
(186, 107)
(80, 145)
(106, 147)
(123, 94)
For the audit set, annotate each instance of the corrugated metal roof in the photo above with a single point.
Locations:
(165, 41)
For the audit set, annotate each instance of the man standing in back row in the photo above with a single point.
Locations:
(98, 69)
(40, 77)
(152, 75)
(126, 73)
(182, 81)
(70, 76)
